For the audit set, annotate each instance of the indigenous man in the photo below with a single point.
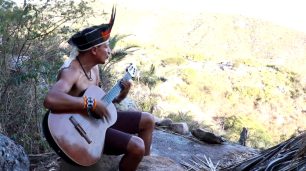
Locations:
(66, 96)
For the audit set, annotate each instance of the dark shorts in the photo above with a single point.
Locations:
(118, 136)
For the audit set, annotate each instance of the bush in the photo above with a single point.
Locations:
(30, 58)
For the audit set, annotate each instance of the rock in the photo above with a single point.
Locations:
(180, 128)
(107, 163)
(110, 163)
(156, 120)
(13, 156)
(127, 105)
(165, 122)
(158, 163)
(177, 148)
(207, 137)
(181, 148)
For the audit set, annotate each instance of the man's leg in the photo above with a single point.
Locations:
(146, 127)
(133, 148)
(133, 156)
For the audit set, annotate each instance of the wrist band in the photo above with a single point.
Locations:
(85, 102)
(91, 106)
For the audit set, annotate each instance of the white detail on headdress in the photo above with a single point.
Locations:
(95, 45)
(73, 54)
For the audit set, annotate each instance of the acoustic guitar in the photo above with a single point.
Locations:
(78, 138)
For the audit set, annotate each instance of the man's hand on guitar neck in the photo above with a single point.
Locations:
(126, 86)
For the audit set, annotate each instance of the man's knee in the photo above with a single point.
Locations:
(136, 147)
(148, 120)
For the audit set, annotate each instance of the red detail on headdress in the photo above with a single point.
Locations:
(106, 33)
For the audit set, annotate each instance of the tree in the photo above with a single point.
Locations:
(30, 56)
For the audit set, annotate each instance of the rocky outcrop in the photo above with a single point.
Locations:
(110, 163)
(169, 151)
(159, 163)
(107, 163)
(183, 129)
(184, 148)
(13, 156)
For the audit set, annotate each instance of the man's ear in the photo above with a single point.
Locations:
(94, 50)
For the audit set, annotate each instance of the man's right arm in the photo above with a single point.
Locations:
(58, 100)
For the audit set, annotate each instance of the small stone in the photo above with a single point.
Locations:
(165, 122)
(180, 128)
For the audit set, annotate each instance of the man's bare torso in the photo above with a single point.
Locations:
(81, 82)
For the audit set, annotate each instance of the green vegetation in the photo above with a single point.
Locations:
(30, 57)
(250, 71)
(118, 54)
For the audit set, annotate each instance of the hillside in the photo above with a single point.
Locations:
(223, 71)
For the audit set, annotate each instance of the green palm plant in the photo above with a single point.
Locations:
(118, 54)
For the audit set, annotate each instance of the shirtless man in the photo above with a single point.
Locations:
(65, 96)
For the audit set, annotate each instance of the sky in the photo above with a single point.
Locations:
(289, 13)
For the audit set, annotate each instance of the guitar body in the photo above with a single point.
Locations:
(71, 142)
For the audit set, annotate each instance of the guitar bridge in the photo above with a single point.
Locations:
(79, 128)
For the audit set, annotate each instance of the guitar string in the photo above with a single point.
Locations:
(115, 90)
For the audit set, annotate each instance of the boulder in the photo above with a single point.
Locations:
(159, 163)
(13, 156)
(169, 151)
(184, 148)
(127, 104)
(106, 163)
(180, 128)
(206, 136)
(164, 122)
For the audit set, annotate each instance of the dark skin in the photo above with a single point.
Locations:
(63, 98)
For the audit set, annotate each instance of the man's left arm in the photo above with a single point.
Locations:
(126, 86)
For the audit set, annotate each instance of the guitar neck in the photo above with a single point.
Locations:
(114, 92)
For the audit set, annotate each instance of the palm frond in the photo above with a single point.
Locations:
(119, 54)
(115, 39)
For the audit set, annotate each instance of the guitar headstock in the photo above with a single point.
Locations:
(132, 70)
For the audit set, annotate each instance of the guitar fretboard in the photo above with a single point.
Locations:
(114, 92)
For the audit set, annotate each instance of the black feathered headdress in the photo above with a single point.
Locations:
(93, 36)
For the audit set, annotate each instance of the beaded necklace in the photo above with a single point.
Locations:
(88, 77)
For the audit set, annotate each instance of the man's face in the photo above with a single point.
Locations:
(103, 52)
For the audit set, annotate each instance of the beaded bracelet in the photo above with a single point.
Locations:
(85, 102)
(90, 105)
